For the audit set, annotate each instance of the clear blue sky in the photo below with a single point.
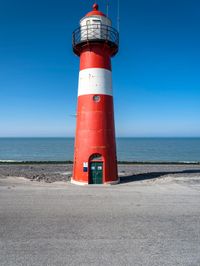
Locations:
(156, 75)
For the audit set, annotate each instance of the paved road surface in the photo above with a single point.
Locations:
(150, 222)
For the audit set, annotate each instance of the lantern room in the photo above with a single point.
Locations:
(95, 26)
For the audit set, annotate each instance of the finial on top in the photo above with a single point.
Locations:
(95, 7)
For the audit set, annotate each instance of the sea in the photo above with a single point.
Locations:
(128, 149)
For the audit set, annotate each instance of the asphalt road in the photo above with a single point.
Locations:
(150, 222)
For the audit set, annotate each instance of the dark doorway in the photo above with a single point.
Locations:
(96, 173)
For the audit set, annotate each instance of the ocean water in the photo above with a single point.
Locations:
(128, 149)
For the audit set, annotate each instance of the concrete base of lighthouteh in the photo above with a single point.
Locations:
(74, 182)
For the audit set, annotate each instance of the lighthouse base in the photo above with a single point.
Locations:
(74, 182)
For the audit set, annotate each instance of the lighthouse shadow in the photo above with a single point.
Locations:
(154, 175)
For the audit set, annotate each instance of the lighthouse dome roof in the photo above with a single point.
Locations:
(95, 12)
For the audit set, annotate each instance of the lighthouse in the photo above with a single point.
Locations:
(95, 42)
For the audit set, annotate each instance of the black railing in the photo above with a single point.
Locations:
(95, 32)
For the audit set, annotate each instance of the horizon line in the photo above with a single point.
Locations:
(71, 137)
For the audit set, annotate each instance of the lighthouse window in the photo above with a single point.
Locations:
(88, 22)
(96, 98)
(97, 21)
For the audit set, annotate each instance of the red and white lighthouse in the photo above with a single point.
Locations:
(95, 42)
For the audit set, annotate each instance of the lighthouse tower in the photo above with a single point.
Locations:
(95, 42)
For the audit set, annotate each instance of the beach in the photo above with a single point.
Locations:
(52, 172)
(151, 218)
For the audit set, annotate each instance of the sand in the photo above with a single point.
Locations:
(151, 218)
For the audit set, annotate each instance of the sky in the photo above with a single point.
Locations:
(156, 74)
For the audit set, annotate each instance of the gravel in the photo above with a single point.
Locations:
(60, 172)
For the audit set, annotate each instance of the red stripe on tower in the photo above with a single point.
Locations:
(95, 161)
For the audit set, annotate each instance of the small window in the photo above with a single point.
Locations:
(96, 23)
(96, 98)
(88, 22)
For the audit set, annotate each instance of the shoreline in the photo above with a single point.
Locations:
(128, 172)
(13, 162)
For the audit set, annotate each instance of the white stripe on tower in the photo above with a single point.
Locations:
(95, 81)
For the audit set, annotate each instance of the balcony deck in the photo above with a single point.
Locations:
(95, 33)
